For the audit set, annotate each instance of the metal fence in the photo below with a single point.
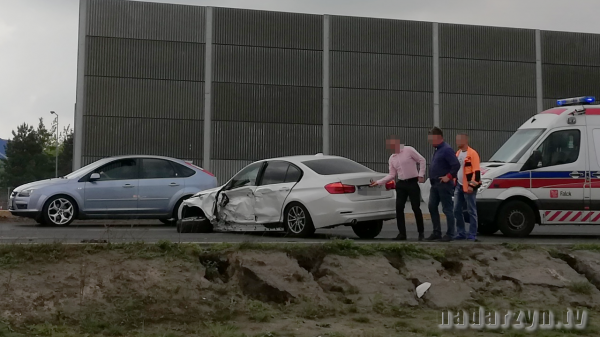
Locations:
(224, 87)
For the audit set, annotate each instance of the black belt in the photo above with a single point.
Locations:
(408, 180)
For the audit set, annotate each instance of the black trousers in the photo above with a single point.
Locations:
(408, 189)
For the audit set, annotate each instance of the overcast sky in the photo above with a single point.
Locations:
(38, 38)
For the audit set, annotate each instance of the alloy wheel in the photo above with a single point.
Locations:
(296, 219)
(60, 211)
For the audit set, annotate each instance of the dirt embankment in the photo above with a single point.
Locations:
(337, 289)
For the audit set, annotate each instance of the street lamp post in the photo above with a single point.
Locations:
(56, 150)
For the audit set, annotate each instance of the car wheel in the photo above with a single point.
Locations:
(297, 221)
(487, 228)
(368, 229)
(59, 211)
(516, 219)
(198, 225)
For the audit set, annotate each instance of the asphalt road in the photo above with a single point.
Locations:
(153, 231)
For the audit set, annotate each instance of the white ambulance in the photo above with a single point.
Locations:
(547, 173)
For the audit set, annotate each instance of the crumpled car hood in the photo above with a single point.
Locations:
(205, 200)
(208, 191)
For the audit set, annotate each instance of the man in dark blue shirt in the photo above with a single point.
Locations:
(442, 172)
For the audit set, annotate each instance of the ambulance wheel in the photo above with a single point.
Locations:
(516, 219)
(487, 228)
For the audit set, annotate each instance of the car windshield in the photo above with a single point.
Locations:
(516, 145)
(77, 172)
(332, 166)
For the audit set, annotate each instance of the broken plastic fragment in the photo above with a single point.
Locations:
(421, 289)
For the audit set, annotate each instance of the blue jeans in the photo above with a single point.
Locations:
(441, 192)
(462, 199)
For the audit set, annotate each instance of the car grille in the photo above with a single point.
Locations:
(21, 206)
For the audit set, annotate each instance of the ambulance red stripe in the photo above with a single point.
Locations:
(554, 216)
(539, 183)
(564, 217)
(587, 216)
(575, 217)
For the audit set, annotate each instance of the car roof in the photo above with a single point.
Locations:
(144, 156)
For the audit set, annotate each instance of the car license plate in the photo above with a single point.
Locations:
(369, 190)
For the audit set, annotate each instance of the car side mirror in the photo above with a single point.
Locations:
(94, 176)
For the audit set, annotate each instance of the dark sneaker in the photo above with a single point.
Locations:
(433, 237)
(446, 238)
(400, 237)
(460, 238)
(421, 236)
(472, 238)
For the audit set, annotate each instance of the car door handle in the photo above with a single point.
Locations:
(128, 186)
(575, 174)
(284, 189)
(173, 184)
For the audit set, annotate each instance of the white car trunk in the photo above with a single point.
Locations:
(363, 190)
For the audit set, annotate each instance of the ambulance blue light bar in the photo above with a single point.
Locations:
(576, 100)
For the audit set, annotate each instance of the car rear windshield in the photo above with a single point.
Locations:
(331, 166)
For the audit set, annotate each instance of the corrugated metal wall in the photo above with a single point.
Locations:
(571, 65)
(144, 89)
(487, 83)
(381, 84)
(143, 80)
(267, 87)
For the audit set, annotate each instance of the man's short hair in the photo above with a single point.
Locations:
(393, 137)
(436, 131)
(463, 134)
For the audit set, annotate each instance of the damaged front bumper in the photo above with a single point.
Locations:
(220, 208)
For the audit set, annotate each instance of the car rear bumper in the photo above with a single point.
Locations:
(331, 212)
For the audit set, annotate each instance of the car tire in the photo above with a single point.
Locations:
(59, 210)
(194, 226)
(368, 229)
(174, 220)
(297, 221)
(487, 228)
(516, 219)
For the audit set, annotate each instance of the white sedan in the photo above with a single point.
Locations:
(296, 194)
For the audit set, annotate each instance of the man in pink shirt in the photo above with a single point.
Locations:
(403, 163)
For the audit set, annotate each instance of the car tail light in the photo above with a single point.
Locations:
(205, 171)
(339, 188)
(390, 185)
(200, 168)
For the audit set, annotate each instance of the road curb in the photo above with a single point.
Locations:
(4, 214)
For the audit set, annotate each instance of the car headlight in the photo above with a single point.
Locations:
(26, 193)
(485, 183)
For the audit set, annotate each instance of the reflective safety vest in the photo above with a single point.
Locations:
(471, 170)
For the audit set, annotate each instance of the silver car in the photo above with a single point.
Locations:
(139, 187)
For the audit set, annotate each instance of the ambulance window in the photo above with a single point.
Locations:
(561, 147)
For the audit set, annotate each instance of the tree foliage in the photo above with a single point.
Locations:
(31, 155)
